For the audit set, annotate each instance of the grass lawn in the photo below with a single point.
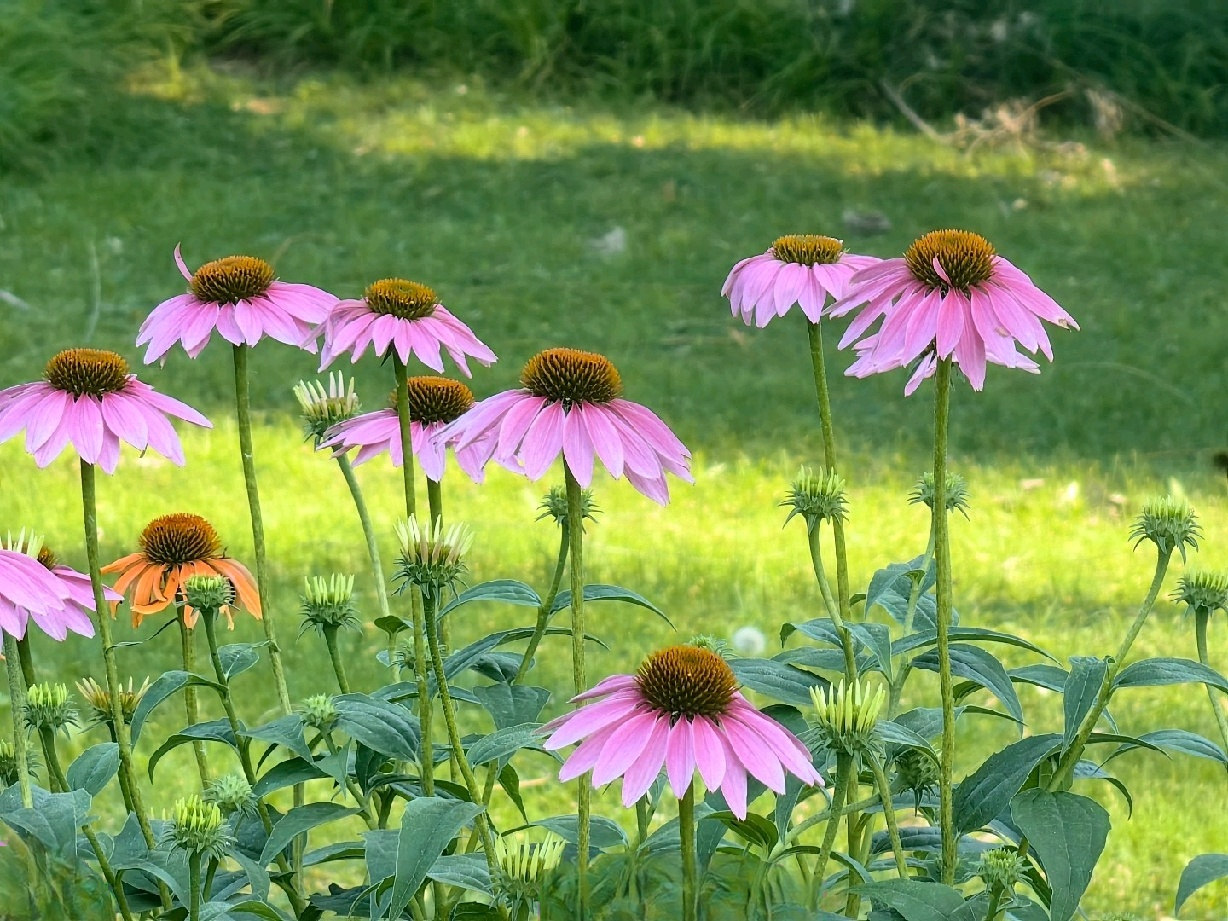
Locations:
(547, 224)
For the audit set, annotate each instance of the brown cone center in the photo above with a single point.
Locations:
(687, 681)
(397, 297)
(966, 258)
(232, 279)
(572, 376)
(87, 371)
(173, 540)
(808, 249)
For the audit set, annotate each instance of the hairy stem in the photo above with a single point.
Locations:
(194, 886)
(1201, 619)
(575, 528)
(334, 654)
(547, 605)
(187, 649)
(893, 827)
(686, 828)
(17, 704)
(833, 608)
(844, 770)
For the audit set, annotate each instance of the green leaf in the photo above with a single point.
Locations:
(286, 731)
(600, 592)
(392, 624)
(1068, 833)
(339, 850)
(893, 733)
(381, 726)
(511, 704)
(985, 793)
(1089, 770)
(1150, 673)
(1201, 871)
(754, 829)
(914, 900)
(604, 833)
(877, 639)
(168, 684)
(509, 781)
(465, 871)
(53, 821)
(1176, 740)
(428, 826)
(94, 768)
(212, 731)
(299, 820)
(255, 909)
(1080, 692)
(981, 667)
(286, 774)
(1049, 677)
(777, 680)
(505, 591)
(891, 587)
(930, 638)
(503, 743)
(238, 658)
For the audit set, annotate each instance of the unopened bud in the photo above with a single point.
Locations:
(1203, 593)
(328, 603)
(232, 794)
(1001, 868)
(957, 492)
(47, 707)
(323, 407)
(524, 868)
(198, 828)
(554, 505)
(816, 497)
(1169, 523)
(847, 716)
(320, 712)
(433, 557)
(99, 699)
(208, 594)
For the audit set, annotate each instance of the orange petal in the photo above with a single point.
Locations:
(146, 591)
(243, 582)
(124, 562)
(130, 575)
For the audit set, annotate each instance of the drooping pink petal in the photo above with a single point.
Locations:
(709, 752)
(577, 448)
(590, 719)
(733, 784)
(680, 757)
(647, 767)
(753, 755)
(606, 686)
(586, 755)
(624, 745)
(543, 441)
(605, 438)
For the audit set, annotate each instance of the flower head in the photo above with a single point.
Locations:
(957, 492)
(433, 402)
(847, 716)
(1002, 867)
(241, 298)
(1203, 593)
(949, 296)
(802, 269)
(99, 699)
(90, 401)
(917, 771)
(328, 604)
(198, 828)
(174, 548)
(207, 594)
(682, 711)
(75, 591)
(319, 712)
(816, 497)
(525, 867)
(323, 407)
(432, 558)
(571, 404)
(232, 794)
(554, 505)
(405, 316)
(47, 707)
(1169, 523)
(9, 771)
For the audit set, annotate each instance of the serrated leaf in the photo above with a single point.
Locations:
(987, 791)
(1068, 833)
(94, 768)
(503, 591)
(599, 592)
(428, 826)
(777, 680)
(1080, 692)
(981, 667)
(168, 684)
(299, 820)
(1150, 673)
(1201, 871)
(381, 726)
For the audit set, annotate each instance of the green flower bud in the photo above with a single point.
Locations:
(99, 699)
(847, 717)
(525, 867)
(554, 505)
(1001, 868)
(47, 707)
(319, 712)
(432, 557)
(9, 773)
(816, 497)
(232, 794)
(198, 828)
(328, 604)
(711, 643)
(208, 594)
(1169, 523)
(916, 771)
(323, 407)
(957, 492)
(1203, 593)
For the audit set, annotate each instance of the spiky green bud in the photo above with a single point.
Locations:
(1001, 868)
(320, 712)
(232, 794)
(208, 594)
(847, 716)
(916, 771)
(432, 557)
(554, 505)
(47, 707)
(99, 699)
(198, 828)
(1203, 593)
(9, 774)
(328, 603)
(1169, 523)
(323, 407)
(957, 492)
(524, 868)
(816, 497)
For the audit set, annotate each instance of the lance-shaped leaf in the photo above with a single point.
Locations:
(1068, 833)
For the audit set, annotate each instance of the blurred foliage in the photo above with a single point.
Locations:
(38, 885)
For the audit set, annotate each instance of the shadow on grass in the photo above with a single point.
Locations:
(623, 249)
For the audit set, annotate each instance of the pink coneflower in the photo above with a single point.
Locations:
(800, 269)
(89, 400)
(29, 589)
(433, 403)
(240, 297)
(76, 614)
(403, 315)
(949, 295)
(571, 405)
(682, 711)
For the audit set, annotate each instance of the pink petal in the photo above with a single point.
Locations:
(951, 318)
(647, 767)
(733, 784)
(543, 441)
(625, 744)
(592, 718)
(753, 755)
(577, 449)
(709, 752)
(586, 755)
(516, 422)
(680, 757)
(606, 686)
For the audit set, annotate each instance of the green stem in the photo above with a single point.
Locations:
(123, 736)
(547, 605)
(815, 334)
(806, 824)
(187, 649)
(686, 828)
(893, 828)
(243, 411)
(351, 785)
(575, 528)
(833, 609)
(1200, 620)
(853, 826)
(17, 704)
(330, 640)
(377, 569)
(943, 593)
(27, 672)
(844, 768)
(194, 886)
(434, 498)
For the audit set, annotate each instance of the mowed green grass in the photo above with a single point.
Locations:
(511, 209)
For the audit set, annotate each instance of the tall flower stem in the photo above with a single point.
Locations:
(943, 598)
(434, 498)
(686, 829)
(893, 828)
(817, 362)
(844, 768)
(547, 606)
(1201, 620)
(243, 411)
(30, 678)
(194, 886)
(575, 528)
(17, 704)
(187, 648)
(123, 736)
(334, 654)
(425, 704)
(833, 607)
(368, 532)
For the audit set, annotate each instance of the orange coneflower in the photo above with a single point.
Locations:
(173, 549)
